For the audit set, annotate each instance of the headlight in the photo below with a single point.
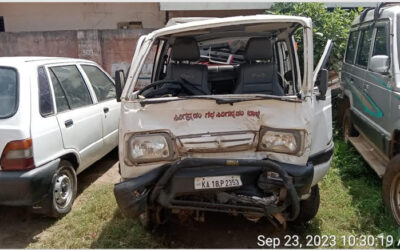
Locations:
(150, 148)
(281, 141)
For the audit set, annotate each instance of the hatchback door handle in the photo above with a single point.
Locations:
(106, 110)
(68, 123)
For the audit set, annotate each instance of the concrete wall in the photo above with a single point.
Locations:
(78, 16)
(112, 49)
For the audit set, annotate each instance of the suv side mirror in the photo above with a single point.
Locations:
(380, 64)
(119, 82)
(322, 83)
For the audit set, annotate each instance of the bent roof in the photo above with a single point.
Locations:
(227, 21)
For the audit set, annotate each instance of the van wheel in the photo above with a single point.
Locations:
(347, 127)
(309, 207)
(63, 191)
(148, 220)
(391, 187)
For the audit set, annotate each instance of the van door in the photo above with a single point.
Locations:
(104, 89)
(322, 137)
(79, 120)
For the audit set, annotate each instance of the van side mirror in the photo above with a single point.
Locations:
(119, 83)
(322, 84)
(320, 74)
(380, 64)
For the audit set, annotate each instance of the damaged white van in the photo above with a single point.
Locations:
(231, 120)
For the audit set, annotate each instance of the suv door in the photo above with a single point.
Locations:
(104, 89)
(378, 87)
(361, 102)
(79, 120)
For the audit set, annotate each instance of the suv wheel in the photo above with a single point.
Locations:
(347, 126)
(63, 191)
(309, 207)
(391, 187)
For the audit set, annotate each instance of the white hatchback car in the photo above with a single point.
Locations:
(57, 117)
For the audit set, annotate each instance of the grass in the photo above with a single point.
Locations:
(351, 204)
(96, 223)
(351, 199)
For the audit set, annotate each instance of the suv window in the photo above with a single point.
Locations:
(363, 48)
(381, 41)
(8, 92)
(45, 99)
(351, 47)
(72, 85)
(102, 85)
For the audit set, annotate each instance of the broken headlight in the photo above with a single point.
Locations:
(281, 141)
(150, 148)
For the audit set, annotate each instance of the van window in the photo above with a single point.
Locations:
(45, 99)
(381, 41)
(363, 48)
(8, 92)
(102, 85)
(73, 86)
(351, 47)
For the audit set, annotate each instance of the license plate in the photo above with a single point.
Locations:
(217, 182)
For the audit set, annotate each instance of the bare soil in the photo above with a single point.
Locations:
(19, 226)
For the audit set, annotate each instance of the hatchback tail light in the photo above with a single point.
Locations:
(17, 155)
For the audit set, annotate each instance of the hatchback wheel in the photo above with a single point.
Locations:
(63, 191)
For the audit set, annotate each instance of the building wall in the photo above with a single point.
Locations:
(112, 49)
(78, 16)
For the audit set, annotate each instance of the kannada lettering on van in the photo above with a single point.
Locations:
(216, 115)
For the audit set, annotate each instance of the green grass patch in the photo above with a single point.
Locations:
(95, 223)
(351, 198)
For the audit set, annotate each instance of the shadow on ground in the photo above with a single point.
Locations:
(19, 226)
(218, 231)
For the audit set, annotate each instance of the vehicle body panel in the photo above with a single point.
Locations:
(99, 136)
(223, 135)
(194, 117)
(374, 97)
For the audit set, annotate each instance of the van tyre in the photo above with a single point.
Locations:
(309, 207)
(63, 191)
(348, 127)
(148, 220)
(391, 188)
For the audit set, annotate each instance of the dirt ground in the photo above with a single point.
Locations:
(19, 227)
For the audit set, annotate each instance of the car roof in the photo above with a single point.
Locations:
(179, 20)
(19, 61)
(201, 23)
(388, 11)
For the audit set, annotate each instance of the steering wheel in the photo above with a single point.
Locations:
(157, 83)
(185, 85)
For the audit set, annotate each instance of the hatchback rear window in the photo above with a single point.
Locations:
(8, 92)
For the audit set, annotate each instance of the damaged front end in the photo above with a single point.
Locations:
(266, 188)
